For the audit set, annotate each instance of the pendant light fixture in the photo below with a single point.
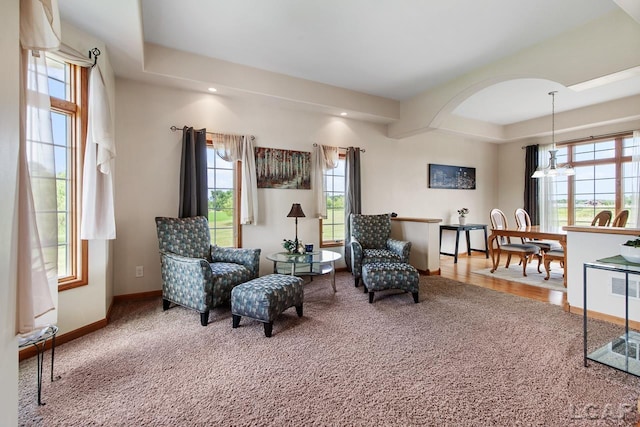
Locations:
(553, 169)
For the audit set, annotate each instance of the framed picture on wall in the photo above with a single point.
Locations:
(452, 177)
(283, 168)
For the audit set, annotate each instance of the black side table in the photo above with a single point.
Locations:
(38, 339)
(466, 228)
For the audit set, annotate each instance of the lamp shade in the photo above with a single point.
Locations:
(553, 169)
(296, 211)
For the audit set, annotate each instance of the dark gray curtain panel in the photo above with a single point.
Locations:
(353, 199)
(193, 173)
(531, 191)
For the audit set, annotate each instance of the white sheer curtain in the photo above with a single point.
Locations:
(635, 181)
(233, 148)
(98, 217)
(547, 192)
(249, 194)
(324, 158)
(37, 204)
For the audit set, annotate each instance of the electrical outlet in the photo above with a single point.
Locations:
(139, 271)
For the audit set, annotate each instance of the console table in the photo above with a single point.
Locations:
(466, 228)
(621, 352)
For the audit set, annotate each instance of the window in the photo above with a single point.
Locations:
(68, 86)
(332, 228)
(223, 189)
(602, 180)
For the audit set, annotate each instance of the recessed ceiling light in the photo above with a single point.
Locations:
(213, 89)
(343, 114)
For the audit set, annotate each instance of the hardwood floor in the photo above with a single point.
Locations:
(462, 271)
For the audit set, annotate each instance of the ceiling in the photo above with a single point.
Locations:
(394, 49)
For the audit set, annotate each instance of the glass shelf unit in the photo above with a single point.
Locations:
(621, 351)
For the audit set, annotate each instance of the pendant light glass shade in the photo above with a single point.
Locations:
(553, 170)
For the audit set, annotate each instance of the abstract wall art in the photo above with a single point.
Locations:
(452, 177)
(283, 168)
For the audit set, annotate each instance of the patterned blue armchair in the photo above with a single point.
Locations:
(370, 242)
(196, 274)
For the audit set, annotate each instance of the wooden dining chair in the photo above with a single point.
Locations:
(602, 219)
(621, 219)
(503, 244)
(553, 255)
(523, 220)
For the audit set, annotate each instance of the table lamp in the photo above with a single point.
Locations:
(296, 212)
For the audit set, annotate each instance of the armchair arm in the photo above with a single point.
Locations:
(356, 257)
(186, 281)
(250, 258)
(399, 247)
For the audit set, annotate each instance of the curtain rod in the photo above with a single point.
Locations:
(362, 150)
(589, 138)
(96, 52)
(175, 128)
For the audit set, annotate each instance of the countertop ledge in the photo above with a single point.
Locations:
(427, 220)
(603, 230)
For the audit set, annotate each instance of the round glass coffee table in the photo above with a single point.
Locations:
(309, 264)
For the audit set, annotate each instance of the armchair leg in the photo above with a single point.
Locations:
(299, 310)
(355, 283)
(268, 328)
(165, 304)
(371, 297)
(204, 318)
(235, 320)
(416, 297)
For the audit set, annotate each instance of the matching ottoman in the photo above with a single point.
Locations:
(265, 298)
(378, 276)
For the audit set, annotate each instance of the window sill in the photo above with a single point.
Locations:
(71, 283)
(332, 244)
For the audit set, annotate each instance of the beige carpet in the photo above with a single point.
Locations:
(464, 356)
(514, 274)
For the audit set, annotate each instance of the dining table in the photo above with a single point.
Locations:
(532, 232)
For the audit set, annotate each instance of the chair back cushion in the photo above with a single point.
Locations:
(522, 218)
(499, 222)
(372, 231)
(188, 237)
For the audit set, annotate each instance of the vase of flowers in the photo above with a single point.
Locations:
(293, 246)
(462, 215)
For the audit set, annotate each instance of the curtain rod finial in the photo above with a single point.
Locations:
(96, 52)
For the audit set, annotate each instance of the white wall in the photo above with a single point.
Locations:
(588, 247)
(394, 173)
(407, 184)
(510, 189)
(9, 137)
(88, 304)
